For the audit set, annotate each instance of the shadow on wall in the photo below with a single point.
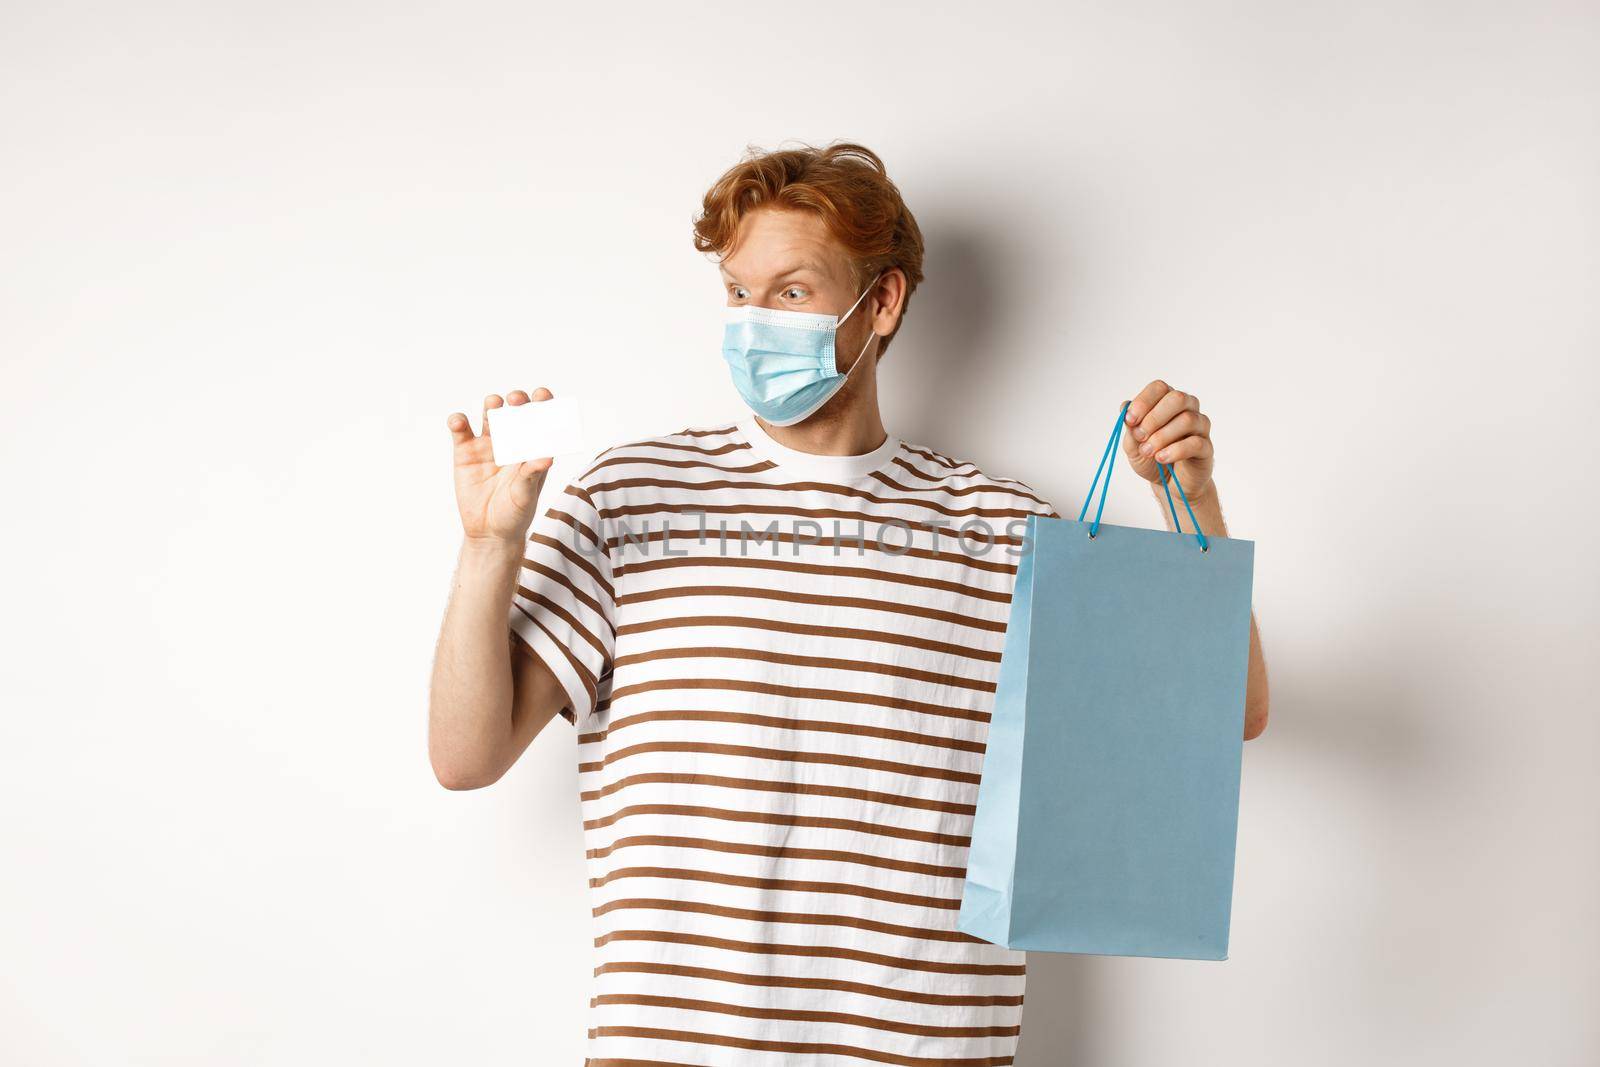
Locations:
(1059, 1011)
(958, 376)
(935, 374)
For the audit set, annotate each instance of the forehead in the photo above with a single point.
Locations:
(772, 242)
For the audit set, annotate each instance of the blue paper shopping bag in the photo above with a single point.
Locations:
(1109, 799)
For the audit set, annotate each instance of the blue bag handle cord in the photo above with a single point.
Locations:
(1169, 477)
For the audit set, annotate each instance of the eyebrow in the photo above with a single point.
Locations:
(789, 271)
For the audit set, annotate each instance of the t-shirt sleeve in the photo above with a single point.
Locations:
(1035, 502)
(562, 610)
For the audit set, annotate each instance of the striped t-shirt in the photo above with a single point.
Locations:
(781, 668)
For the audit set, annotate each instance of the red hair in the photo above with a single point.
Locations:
(846, 185)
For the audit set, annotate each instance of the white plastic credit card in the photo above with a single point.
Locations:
(535, 430)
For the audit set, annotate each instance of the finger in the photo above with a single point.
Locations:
(1130, 447)
(1146, 399)
(460, 428)
(1164, 411)
(493, 400)
(1189, 448)
(517, 397)
(530, 469)
(1184, 424)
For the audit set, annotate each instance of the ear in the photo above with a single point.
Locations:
(888, 301)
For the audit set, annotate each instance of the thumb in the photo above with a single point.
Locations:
(527, 478)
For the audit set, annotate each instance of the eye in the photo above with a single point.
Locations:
(739, 292)
(794, 292)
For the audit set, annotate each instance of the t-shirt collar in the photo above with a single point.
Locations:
(810, 464)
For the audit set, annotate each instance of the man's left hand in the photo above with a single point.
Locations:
(1166, 425)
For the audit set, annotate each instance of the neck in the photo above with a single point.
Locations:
(844, 438)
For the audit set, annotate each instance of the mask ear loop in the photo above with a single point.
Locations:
(870, 286)
(857, 362)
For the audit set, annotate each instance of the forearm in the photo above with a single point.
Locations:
(1208, 512)
(470, 726)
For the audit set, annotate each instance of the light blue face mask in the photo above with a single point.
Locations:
(783, 361)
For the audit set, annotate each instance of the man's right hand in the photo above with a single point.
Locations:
(496, 503)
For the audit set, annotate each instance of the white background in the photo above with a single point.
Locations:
(253, 254)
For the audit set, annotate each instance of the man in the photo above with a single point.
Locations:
(778, 639)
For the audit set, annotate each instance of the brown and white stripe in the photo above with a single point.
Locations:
(779, 746)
